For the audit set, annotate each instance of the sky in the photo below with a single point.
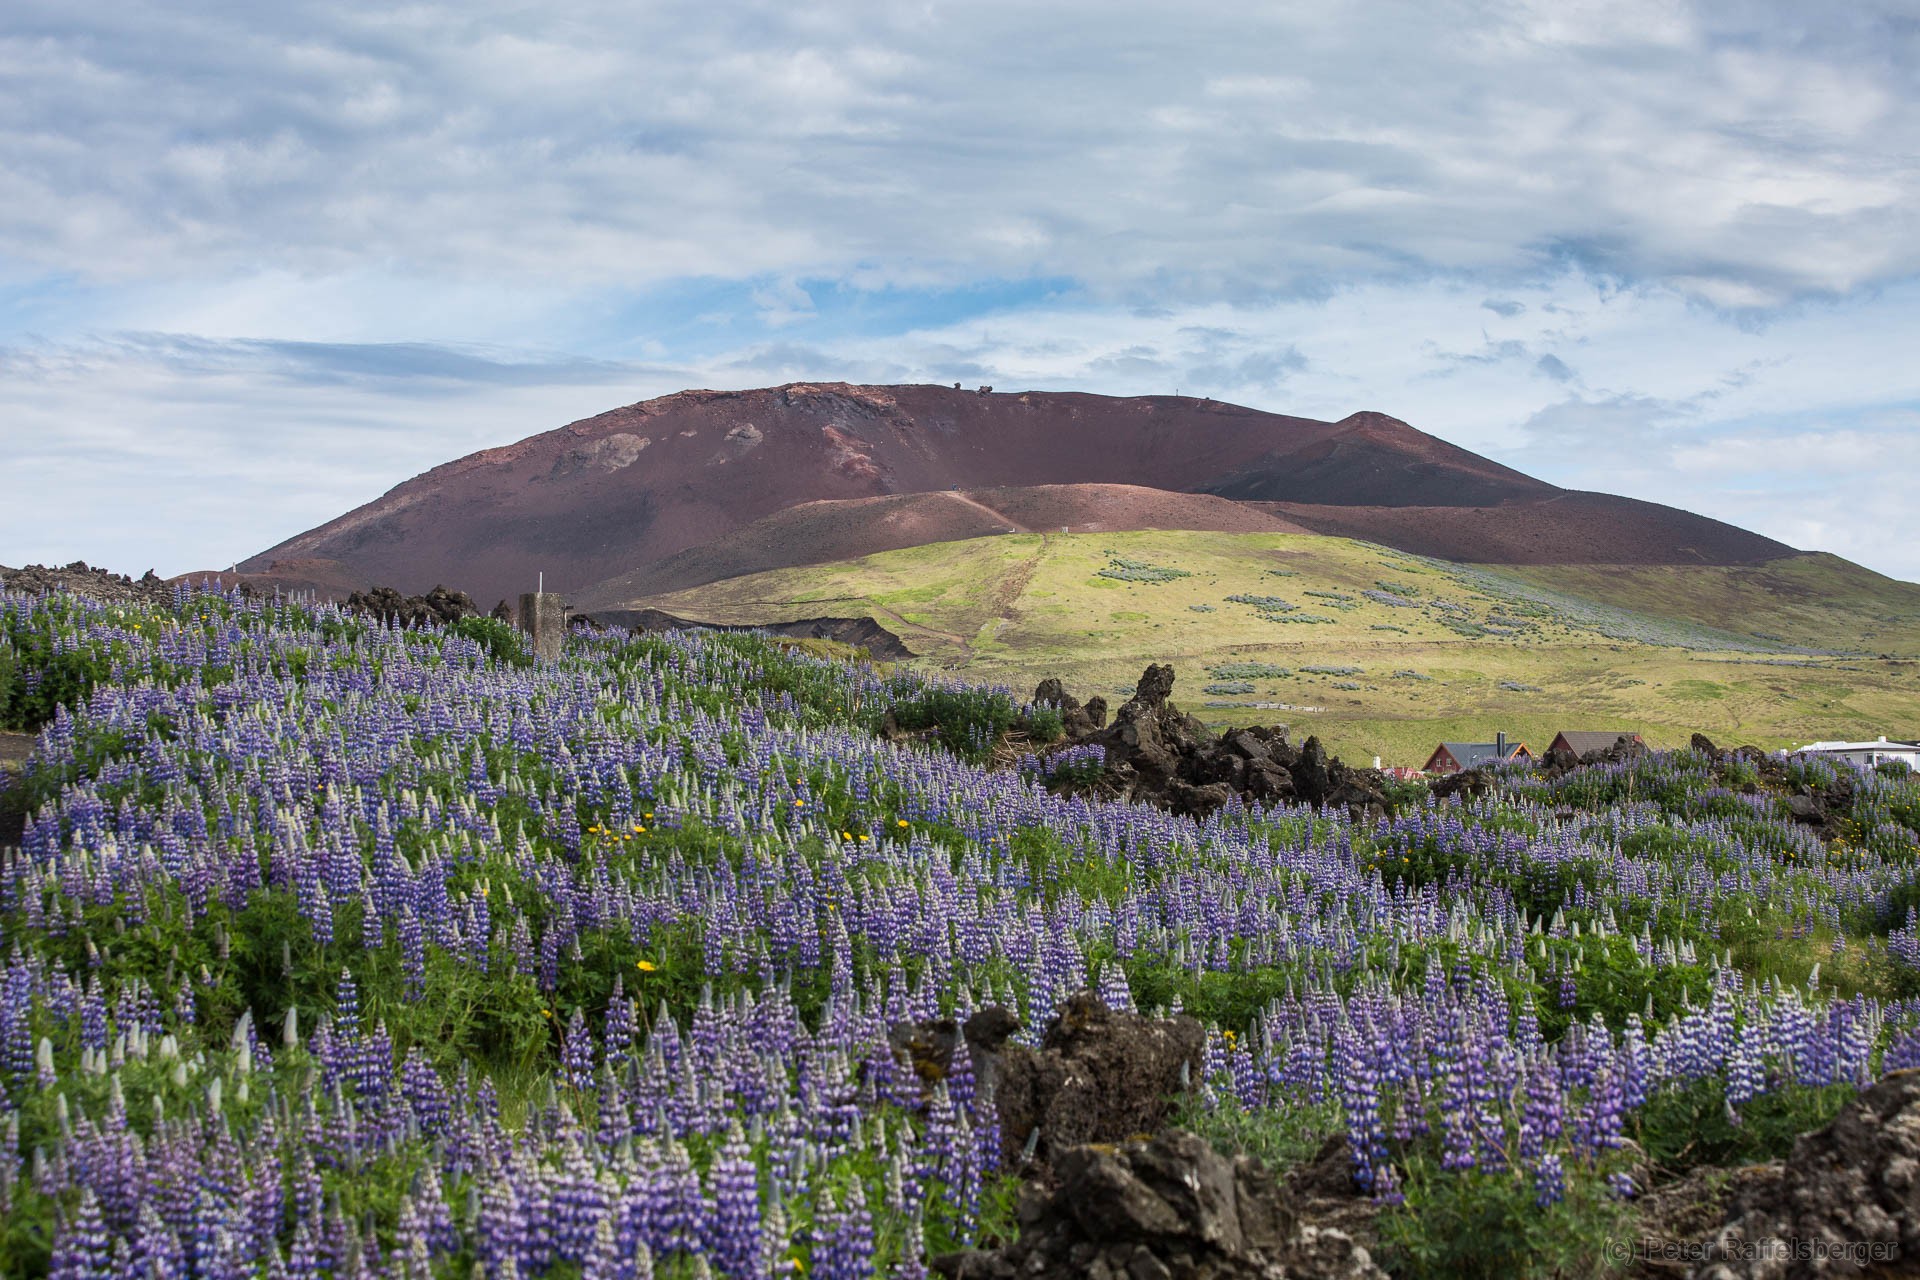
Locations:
(260, 263)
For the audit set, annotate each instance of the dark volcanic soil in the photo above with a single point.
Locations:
(1565, 527)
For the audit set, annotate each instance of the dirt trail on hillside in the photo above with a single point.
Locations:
(1006, 593)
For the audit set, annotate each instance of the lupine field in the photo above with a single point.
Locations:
(336, 950)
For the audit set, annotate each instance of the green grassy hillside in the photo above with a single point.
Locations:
(1380, 652)
(1816, 600)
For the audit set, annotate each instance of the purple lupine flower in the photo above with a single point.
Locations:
(843, 1237)
(346, 1015)
(577, 1053)
(735, 1193)
(1549, 1182)
(155, 1252)
(82, 1250)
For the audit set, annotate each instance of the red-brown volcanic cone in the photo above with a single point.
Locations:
(594, 500)
(633, 486)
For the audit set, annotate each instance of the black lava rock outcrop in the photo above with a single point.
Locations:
(1166, 1208)
(1846, 1202)
(1751, 771)
(436, 608)
(861, 633)
(84, 580)
(928, 1047)
(1100, 1075)
(1158, 754)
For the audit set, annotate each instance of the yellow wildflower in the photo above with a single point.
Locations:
(645, 966)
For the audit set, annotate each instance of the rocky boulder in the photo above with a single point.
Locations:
(436, 608)
(1078, 721)
(1100, 1075)
(1846, 1202)
(1165, 1208)
(1157, 754)
(83, 579)
(1470, 784)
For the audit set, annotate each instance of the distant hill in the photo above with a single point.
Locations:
(703, 485)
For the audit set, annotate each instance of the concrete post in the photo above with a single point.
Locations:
(543, 615)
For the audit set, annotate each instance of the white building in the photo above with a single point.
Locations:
(1864, 754)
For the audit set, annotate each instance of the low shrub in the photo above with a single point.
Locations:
(1124, 570)
(1475, 1224)
(1249, 671)
(502, 641)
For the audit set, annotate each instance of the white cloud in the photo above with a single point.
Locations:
(1739, 152)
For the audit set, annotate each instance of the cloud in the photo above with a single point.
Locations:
(1742, 154)
(181, 454)
(1554, 367)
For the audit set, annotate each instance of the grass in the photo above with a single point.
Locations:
(1815, 600)
(1592, 648)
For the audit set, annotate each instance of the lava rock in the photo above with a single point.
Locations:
(1156, 754)
(1100, 1075)
(1470, 783)
(438, 607)
(82, 579)
(927, 1047)
(1847, 1201)
(1165, 1208)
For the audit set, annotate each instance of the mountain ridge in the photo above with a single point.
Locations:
(610, 495)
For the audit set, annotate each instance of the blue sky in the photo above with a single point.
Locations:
(258, 263)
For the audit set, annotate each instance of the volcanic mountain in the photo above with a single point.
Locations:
(703, 485)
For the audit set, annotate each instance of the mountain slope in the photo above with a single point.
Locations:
(1375, 650)
(823, 532)
(632, 487)
(1564, 527)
